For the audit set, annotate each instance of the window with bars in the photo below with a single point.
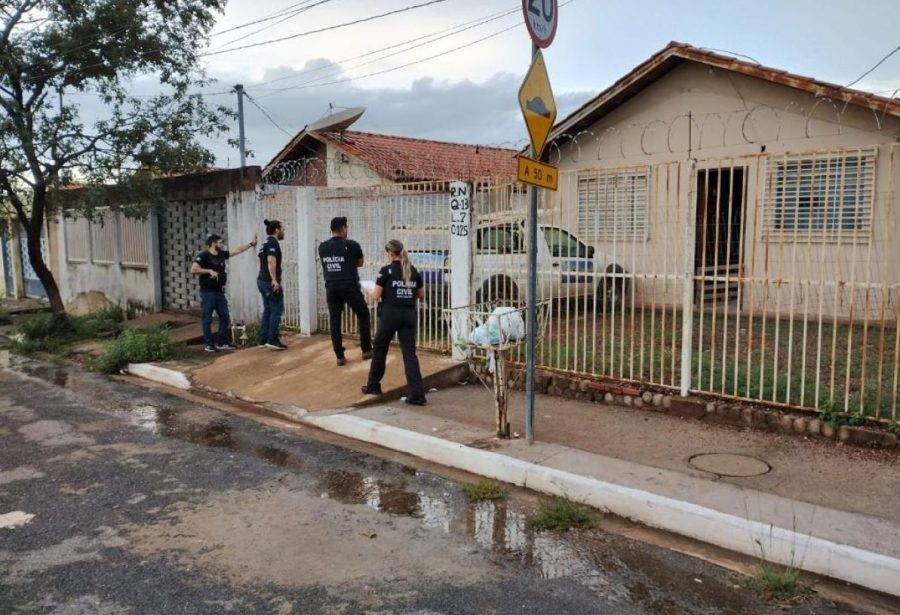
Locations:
(820, 196)
(613, 204)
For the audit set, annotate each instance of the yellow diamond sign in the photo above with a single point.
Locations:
(538, 106)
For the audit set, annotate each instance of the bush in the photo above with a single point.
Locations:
(5, 318)
(253, 334)
(562, 514)
(104, 323)
(137, 346)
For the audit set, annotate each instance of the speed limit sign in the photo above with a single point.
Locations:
(541, 17)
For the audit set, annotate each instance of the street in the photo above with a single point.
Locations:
(120, 499)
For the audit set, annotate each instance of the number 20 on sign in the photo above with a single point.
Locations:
(538, 174)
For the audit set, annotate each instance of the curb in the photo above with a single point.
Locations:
(840, 561)
(161, 375)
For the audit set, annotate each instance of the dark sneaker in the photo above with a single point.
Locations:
(372, 389)
(210, 348)
(276, 346)
(226, 347)
(341, 362)
(367, 356)
(416, 401)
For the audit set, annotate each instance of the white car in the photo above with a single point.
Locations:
(567, 267)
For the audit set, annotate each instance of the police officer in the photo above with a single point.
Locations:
(341, 259)
(398, 286)
(269, 284)
(210, 266)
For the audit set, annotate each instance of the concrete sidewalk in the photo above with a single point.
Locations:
(863, 549)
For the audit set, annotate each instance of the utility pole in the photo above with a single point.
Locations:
(239, 90)
(531, 302)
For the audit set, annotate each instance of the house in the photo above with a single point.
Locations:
(776, 193)
(326, 153)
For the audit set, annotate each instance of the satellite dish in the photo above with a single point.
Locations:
(337, 121)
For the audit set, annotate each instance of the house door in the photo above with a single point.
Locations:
(717, 260)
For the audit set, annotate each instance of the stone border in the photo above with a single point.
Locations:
(746, 415)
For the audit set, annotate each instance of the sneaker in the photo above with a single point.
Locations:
(372, 389)
(226, 347)
(341, 362)
(415, 401)
(210, 348)
(276, 346)
(367, 356)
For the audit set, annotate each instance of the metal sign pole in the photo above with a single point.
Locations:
(531, 320)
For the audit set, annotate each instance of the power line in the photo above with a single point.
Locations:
(457, 29)
(271, 16)
(312, 84)
(266, 113)
(326, 29)
(871, 70)
(281, 19)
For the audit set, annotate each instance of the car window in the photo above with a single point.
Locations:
(500, 240)
(562, 244)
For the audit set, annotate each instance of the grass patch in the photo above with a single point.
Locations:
(560, 514)
(484, 490)
(5, 318)
(781, 583)
(53, 333)
(137, 346)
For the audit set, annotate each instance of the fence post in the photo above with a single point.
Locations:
(687, 299)
(461, 266)
(305, 200)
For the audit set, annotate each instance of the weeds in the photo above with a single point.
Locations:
(561, 514)
(5, 318)
(137, 346)
(54, 333)
(484, 490)
(781, 583)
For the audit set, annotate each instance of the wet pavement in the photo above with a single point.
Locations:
(119, 499)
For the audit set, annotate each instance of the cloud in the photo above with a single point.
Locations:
(485, 112)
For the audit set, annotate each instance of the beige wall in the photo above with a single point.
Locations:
(739, 122)
(351, 174)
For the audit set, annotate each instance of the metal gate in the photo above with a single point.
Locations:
(414, 213)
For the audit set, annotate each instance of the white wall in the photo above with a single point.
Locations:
(130, 286)
(244, 219)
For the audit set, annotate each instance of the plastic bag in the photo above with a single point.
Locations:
(508, 323)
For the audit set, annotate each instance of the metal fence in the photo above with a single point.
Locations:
(280, 203)
(787, 266)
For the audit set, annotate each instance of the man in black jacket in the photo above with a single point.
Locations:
(341, 259)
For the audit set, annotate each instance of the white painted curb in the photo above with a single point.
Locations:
(162, 375)
(858, 566)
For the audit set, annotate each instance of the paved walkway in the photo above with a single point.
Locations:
(305, 375)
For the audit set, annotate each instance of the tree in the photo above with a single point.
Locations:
(55, 54)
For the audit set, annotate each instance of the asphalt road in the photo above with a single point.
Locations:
(119, 499)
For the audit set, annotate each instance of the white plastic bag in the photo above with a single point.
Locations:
(508, 323)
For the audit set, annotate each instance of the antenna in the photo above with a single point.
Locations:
(337, 122)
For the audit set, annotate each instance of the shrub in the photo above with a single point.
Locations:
(54, 332)
(137, 346)
(103, 323)
(253, 334)
(562, 514)
(484, 490)
(5, 318)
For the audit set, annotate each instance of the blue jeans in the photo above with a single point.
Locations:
(273, 307)
(215, 302)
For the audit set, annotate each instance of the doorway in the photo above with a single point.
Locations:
(717, 260)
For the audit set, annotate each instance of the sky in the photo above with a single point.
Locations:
(469, 95)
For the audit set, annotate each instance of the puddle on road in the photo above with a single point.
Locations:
(596, 560)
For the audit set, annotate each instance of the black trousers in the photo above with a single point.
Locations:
(401, 321)
(338, 297)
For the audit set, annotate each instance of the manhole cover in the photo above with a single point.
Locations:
(726, 464)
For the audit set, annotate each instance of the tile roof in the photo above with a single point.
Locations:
(675, 53)
(407, 159)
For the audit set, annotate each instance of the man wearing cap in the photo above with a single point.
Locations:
(341, 259)
(210, 266)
